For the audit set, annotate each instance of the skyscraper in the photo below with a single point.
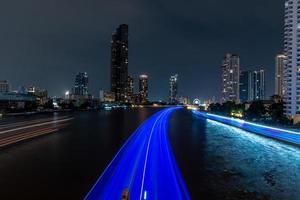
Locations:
(291, 79)
(252, 85)
(143, 88)
(279, 66)
(119, 62)
(259, 85)
(81, 84)
(173, 90)
(4, 86)
(246, 86)
(231, 78)
(129, 95)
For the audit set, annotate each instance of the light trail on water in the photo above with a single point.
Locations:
(289, 136)
(17, 132)
(145, 166)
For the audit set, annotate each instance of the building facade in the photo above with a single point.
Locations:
(279, 66)
(291, 80)
(119, 62)
(259, 85)
(17, 101)
(143, 89)
(41, 94)
(246, 86)
(80, 92)
(231, 78)
(173, 90)
(252, 85)
(130, 87)
(105, 96)
(4, 86)
(81, 84)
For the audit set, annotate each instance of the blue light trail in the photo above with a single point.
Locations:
(267, 131)
(145, 166)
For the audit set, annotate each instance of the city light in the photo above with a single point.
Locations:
(190, 107)
(196, 102)
(237, 114)
(271, 132)
(143, 76)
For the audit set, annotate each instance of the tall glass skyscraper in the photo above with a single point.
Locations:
(252, 85)
(259, 85)
(291, 80)
(173, 90)
(246, 86)
(143, 88)
(231, 78)
(119, 62)
(81, 84)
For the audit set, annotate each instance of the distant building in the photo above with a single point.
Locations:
(279, 67)
(252, 85)
(173, 90)
(119, 62)
(41, 94)
(143, 88)
(4, 86)
(81, 84)
(246, 86)
(129, 95)
(106, 96)
(17, 101)
(183, 100)
(22, 90)
(80, 93)
(231, 78)
(291, 80)
(259, 85)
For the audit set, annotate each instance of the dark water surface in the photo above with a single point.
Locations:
(216, 161)
(223, 162)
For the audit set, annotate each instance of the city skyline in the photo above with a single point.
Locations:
(65, 52)
(136, 99)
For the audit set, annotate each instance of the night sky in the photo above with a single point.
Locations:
(46, 42)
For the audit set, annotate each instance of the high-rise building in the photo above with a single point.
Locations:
(279, 66)
(81, 84)
(252, 85)
(143, 88)
(4, 86)
(173, 90)
(291, 79)
(246, 86)
(119, 62)
(231, 78)
(129, 95)
(259, 85)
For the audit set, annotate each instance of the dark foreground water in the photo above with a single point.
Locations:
(216, 161)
